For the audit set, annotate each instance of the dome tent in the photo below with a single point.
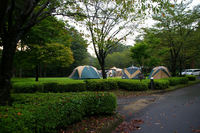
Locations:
(85, 72)
(159, 72)
(114, 72)
(131, 73)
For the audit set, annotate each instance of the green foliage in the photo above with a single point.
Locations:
(139, 53)
(191, 77)
(160, 84)
(50, 112)
(124, 57)
(132, 85)
(78, 47)
(28, 85)
(177, 80)
(101, 84)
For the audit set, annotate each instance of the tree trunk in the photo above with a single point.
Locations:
(9, 47)
(103, 69)
(36, 72)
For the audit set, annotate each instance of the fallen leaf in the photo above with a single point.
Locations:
(196, 130)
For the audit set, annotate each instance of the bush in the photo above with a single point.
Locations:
(177, 80)
(191, 77)
(132, 85)
(50, 112)
(160, 84)
(58, 86)
(101, 84)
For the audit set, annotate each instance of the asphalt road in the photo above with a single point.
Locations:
(173, 112)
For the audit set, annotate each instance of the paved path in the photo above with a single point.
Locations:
(173, 112)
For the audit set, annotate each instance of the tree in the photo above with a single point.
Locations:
(110, 22)
(139, 53)
(105, 21)
(119, 59)
(176, 23)
(78, 47)
(48, 31)
(17, 17)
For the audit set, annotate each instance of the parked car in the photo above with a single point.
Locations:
(195, 72)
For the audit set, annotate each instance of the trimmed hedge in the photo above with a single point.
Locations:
(31, 87)
(50, 112)
(132, 85)
(177, 80)
(191, 77)
(160, 84)
(95, 85)
(101, 84)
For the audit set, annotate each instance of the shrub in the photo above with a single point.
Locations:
(191, 77)
(160, 84)
(64, 87)
(132, 85)
(26, 87)
(49, 112)
(49, 86)
(101, 84)
(177, 80)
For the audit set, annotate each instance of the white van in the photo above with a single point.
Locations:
(195, 72)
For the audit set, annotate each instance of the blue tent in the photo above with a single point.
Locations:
(85, 72)
(131, 73)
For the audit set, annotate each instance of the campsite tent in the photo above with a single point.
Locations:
(114, 72)
(131, 73)
(159, 72)
(85, 72)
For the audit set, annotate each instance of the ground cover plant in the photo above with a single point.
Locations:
(50, 112)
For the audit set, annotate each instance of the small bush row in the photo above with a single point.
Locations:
(132, 85)
(49, 112)
(101, 84)
(177, 80)
(31, 87)
(191, 77)
(160, 84)
(98, 85)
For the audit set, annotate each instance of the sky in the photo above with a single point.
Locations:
(130, 39)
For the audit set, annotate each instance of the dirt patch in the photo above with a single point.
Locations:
(138, 105)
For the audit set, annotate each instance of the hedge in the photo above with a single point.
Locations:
(177, 80)
(96, 85)
(132, 85)
(30, 87)
(160, 84)
(101, 84)
(50, 112)
(191, 77)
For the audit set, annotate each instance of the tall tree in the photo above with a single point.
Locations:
(105, 21)
(16, 19)
(48, 31)
(176, 23)
(79, 48)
